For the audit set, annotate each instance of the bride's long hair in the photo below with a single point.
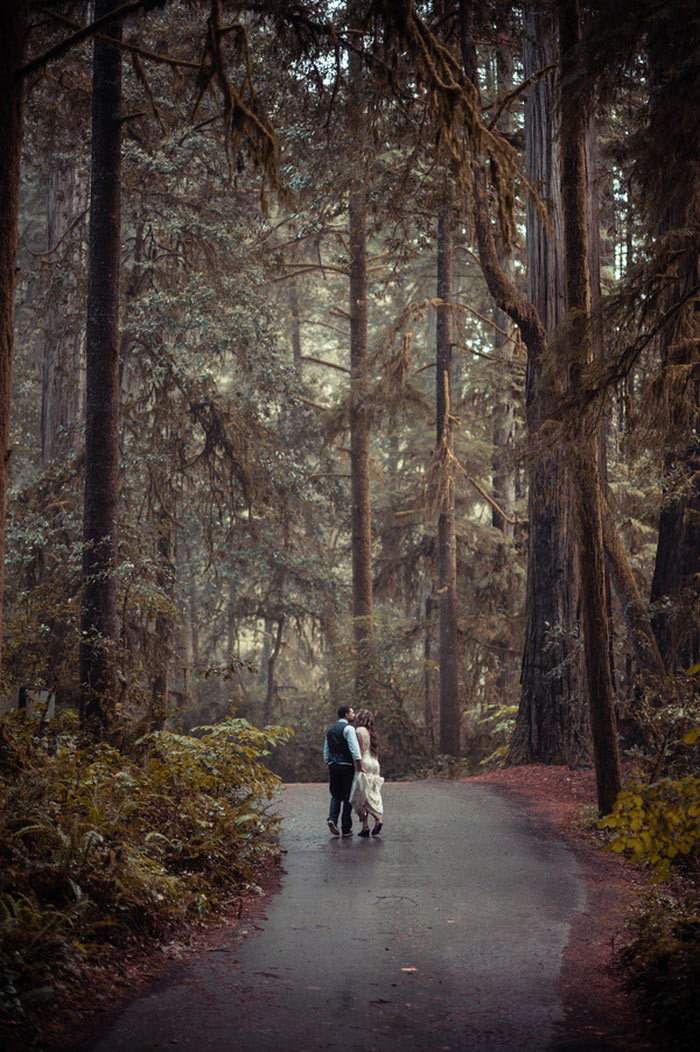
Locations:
(365, 718)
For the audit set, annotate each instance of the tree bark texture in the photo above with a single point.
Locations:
(295, 325)
(450, 708)
(552, 722)
(430, 713)
(98, 630)
(503, 346)
(13, 32)
(584, 445)
(272, 661)
(164, 629)
(63, 363)
(359, 380)
(674, 190)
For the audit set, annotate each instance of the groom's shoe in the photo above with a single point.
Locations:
(349, 832)
(333, 827)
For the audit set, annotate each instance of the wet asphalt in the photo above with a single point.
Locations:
(445, 933)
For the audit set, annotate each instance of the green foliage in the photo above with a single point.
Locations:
(665, 713)
(657, 824)
(97, 847)
(496, 722)
(662, 965)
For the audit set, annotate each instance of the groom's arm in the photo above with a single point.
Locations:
(350, 735)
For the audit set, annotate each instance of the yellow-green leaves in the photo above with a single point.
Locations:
(656, 824)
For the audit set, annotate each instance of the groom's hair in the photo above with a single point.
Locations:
(343, 711)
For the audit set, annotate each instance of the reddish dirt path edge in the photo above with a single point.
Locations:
(600, 1013)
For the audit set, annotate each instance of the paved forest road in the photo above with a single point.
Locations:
(444, 934)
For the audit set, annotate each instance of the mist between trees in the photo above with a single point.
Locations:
(356, 360)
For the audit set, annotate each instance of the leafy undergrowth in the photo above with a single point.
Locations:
(658, 826)
(99, 848)
(662, 964)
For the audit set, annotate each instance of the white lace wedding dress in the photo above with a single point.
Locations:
(366, 792)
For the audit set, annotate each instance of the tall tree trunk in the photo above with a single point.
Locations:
(551, 725)
(266, 650)
(13, 33)
(98, 628)
(430, 713)
(588, 497)
(359, 383)
(552, 721)
(163, 634)
(450, 709)
(674, 206)
(504, 412)
(63, 364)
(295, 325)
(272, 660)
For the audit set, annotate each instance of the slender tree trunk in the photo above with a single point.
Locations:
(163, 633)
(359, 382)
(295, 324)
(63, 365)
(588, 497)
(266, 651)
(98, 629)
(270, 692)
(13, 32)
(450, 710)
(430, 713)
(504, 412)
(184, 684)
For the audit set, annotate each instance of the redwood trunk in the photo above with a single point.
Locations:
(13, 29)
(587, 490)
(551, 725)
(98, 636)
(674, 189)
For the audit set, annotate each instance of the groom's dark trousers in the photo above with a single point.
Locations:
(341, 776)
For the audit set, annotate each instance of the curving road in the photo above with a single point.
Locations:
(446, 933)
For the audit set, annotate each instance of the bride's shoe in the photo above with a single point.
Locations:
(377, 829)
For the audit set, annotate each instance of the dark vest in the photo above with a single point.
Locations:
(338, 751)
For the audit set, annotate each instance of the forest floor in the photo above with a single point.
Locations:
(561, 799)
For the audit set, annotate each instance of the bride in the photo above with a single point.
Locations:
(366, 794)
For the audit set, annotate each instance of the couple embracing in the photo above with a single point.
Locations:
(350, 750)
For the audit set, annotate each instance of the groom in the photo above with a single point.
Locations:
(341, 752)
